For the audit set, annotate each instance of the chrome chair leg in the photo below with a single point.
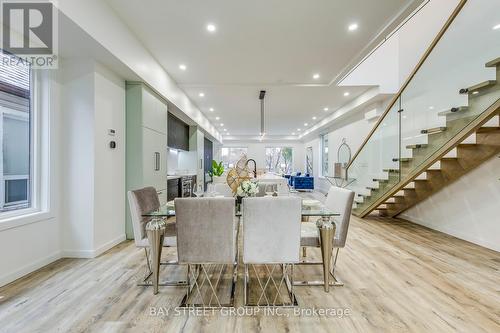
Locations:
(286, 280)
(145, 281)
(205, 271)
(335, 283)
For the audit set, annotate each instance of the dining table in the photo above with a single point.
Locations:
(310, 208)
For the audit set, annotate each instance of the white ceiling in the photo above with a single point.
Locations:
(262, 44)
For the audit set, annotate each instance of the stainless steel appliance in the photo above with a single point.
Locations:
(186, 186)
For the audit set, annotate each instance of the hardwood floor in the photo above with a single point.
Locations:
(399, 277)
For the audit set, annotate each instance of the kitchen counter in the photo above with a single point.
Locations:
(180, 176)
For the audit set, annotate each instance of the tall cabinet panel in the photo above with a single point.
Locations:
(146, 143)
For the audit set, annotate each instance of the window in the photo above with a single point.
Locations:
(231, 155)
(15, 136)
(309, 161)
(324, 154)
(279, 160)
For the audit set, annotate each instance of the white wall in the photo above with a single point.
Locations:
(77, 82)
(257, 151)
(390, 64)
(94, 175)
(109, 164)
(467, 209)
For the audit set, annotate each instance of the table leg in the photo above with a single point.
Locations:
(155, 238)
(326, 234)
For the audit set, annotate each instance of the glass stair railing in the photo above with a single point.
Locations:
(450, 93)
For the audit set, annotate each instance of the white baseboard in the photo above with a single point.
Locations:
(453, 232)
(89, 254)
(9, 277)
(106, 246)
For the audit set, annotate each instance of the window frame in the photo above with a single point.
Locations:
(39, 186)
(325, 172)
(274, 147)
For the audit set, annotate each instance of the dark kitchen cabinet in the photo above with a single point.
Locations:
(173, 189)
(178, 133)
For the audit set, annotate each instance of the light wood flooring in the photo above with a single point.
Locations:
(399, 277)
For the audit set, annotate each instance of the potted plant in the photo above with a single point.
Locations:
(216, 172)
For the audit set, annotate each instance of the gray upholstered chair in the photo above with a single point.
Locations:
(142, 201)
(271, 237)
(207, 233)
(223, 189)
(338, 200)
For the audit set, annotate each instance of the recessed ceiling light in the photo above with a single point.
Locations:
(182, 67)
(225, 130)
(431, 108)
(201, 94)
(298, 129)
(211, 27)
(228, 133)
(314, 118)
(211, 109)
(217, 118)
(353, 27)
(222, 124)
(346, 93)
(316, 76)
(293, 133)
(305, 124)
(475, 92)
(496, 27)
(325, 109)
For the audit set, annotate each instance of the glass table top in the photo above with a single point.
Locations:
(318, 210)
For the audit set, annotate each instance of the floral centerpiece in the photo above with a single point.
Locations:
(247, 189)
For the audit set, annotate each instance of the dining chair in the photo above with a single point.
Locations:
(223, 189)
(142, 201)
(207, 233)
(338, 200)
(271, 238)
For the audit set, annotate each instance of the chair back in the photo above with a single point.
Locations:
(271, 230)
(340, 200)
(223, 189)
(206, 230)
(142, 201)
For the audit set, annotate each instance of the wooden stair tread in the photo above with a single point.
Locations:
(482, 85)
(433, 130)
(487, 129)
(402, 159)
(416, 146)
(453, 110)
(493, 63)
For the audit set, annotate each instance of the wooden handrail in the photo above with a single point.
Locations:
(412, 74)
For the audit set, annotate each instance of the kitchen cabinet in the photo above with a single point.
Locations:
(146, 143)
(178, 133)
(173, 189)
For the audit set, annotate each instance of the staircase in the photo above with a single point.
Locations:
(416, 149)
